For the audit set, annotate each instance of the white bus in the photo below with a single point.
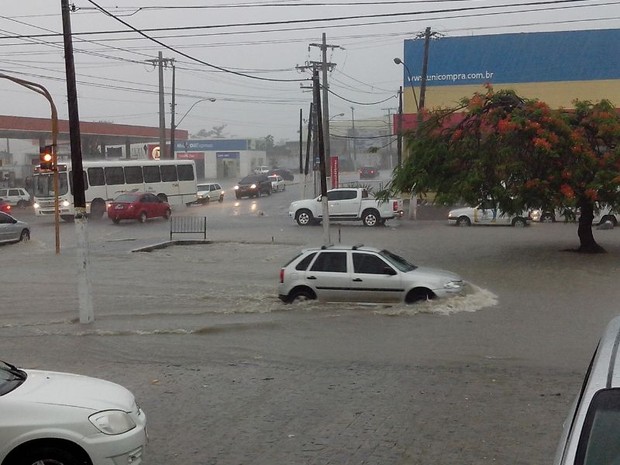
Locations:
(171, 180)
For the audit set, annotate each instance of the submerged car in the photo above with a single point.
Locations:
(209, 192)
(138, 206)
(12, 229)
(591, 433)
(15, 196)
(277, 183)
(486, 214)
(362, 274)
(254, 185)
(286, 174)
(368, 172)
(66, 419)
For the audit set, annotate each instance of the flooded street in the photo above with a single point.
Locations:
(227, 374)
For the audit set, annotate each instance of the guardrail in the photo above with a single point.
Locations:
(188, 225)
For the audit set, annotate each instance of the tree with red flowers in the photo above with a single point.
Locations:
(520, 154)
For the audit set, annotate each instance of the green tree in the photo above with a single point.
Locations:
(520, 154)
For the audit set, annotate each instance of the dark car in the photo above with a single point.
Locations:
(254, 185)
(286, 174)
(368, 172)
(138, 206)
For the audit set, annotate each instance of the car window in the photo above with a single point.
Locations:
(334, 195)
(303, 265)
(335, 262)
(5, 219)
(368, 264)
(600, 438)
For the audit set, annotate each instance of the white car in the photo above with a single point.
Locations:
(485, 214)
(362, 274)
(15, 196)
(12, 229)
(66, 419)
(277, 183)
(209, 191)
(591, 433)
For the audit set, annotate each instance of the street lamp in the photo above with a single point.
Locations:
(353, 134)
(398, 61)
(174, 126)
(336, 116)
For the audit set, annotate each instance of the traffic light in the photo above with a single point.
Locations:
(46, 158)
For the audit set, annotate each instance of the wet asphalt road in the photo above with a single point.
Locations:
(229, 375)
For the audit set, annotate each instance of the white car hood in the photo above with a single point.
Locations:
(461, 211)
(53, 388)
(436, 274)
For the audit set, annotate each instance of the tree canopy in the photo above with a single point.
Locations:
(520, 154)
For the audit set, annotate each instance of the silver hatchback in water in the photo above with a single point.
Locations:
(12, 229)
(362, 274)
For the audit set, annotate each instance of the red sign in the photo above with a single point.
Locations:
(190, 155)
(333, 162)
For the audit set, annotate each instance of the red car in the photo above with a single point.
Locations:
(5, 207)
(368, 172)
(138, 206)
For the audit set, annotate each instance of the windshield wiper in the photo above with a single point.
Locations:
(21, 374)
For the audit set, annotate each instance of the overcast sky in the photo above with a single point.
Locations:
(246, 54)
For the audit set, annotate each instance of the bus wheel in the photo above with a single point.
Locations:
(97, 209)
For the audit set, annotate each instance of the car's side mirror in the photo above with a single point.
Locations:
(319, 198)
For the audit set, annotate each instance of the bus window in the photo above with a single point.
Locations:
(96, 177)
(133, 174)
(71, 181)
(168, 172)
(114, 175)
(186, 172)
(151, 174)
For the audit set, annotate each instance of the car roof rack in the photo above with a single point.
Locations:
(357, 246)
(323, 247)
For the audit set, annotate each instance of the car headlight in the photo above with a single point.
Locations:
(453, 285)
(112, 422)
(253, 186)
(66, 203)
(236, 187)
(35, 205)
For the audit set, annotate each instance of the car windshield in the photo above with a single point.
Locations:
(600, 440)
(250, 180)
(128, 198)
(398, 261)
(10, 377)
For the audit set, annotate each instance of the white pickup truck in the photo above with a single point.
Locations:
(346, 204)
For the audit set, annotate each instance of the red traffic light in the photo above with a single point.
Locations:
(46, 158)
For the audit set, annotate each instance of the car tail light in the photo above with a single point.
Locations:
(281, 275)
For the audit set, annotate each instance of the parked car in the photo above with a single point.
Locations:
(4, 206)
(67, 419)
(346, 204)
(286, 174)
(368, 172)
(209, 191)
(15, 196)
(261, 170)
(253, 186)
(277, 183)
(138, 206)
(486, 214)
(362, 274)
(591, 432)
(13, 230)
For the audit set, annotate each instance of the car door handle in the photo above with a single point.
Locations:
(311, 277)
(357, 280)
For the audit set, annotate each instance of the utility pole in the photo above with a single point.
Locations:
(87, 314)
(427, 35)
(399, 130)
(325, 66)
(162, 62)
(173, 105)
(389, 112)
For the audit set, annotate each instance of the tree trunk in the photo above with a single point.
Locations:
(587, 244)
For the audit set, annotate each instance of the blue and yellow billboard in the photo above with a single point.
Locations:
(555, 67)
